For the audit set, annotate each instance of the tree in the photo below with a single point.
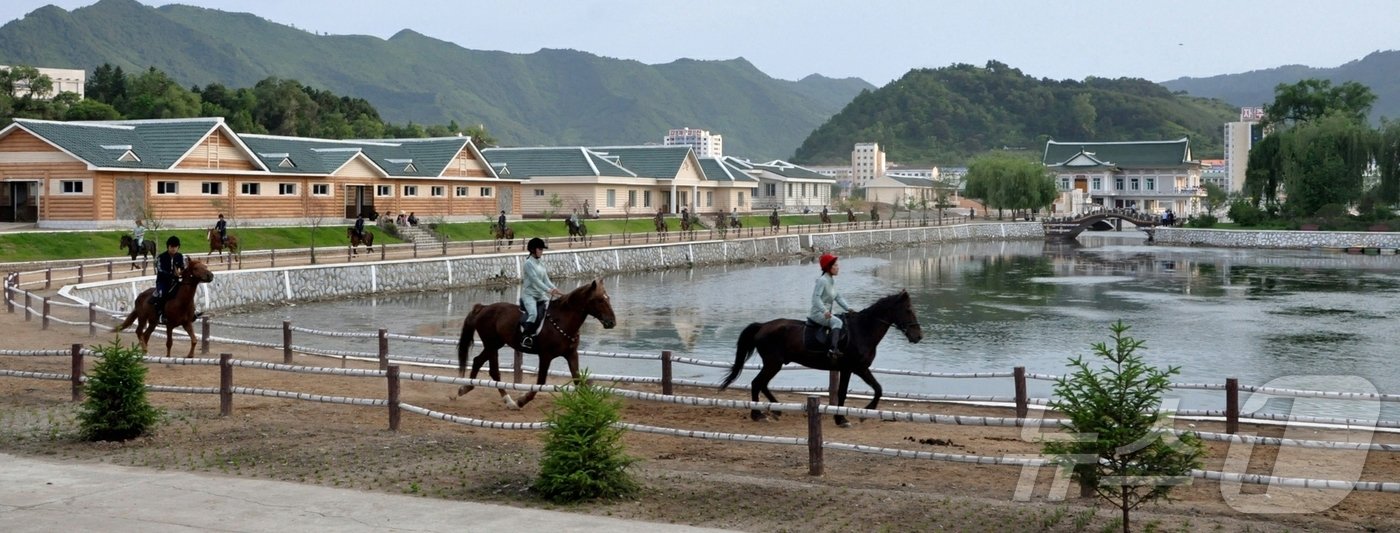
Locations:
(1388, 162)
(1323, 161)
(91, 110)
(116, 408)
(1004, 181)
(1264, 174)
(1116, 446)
(1314, 98)
(153, 94)
(583, 454)
(1215, 198)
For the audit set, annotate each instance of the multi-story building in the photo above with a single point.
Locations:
(64, 80)
(1213, 171)
(1149, 176)
(1239, 139)
(867, 163)
(702, 142)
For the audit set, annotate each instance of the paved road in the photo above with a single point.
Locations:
(38, 495)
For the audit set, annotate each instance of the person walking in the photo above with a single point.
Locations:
(824, 297)
(169, 266)
(536, 291)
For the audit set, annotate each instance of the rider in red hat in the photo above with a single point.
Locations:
(824, 297)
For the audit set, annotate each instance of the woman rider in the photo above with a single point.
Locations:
(824, 296)
(537, 290)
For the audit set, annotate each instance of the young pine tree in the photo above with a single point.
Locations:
(116, 408)
(583, 454)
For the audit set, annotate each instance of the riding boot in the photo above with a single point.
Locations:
(834, 351)
(527, 335)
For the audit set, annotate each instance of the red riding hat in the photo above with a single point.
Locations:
(826, 261)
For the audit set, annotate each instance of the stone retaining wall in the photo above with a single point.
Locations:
(1230, 238)
(238, 288)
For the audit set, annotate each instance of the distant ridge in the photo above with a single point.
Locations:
(1378, 70)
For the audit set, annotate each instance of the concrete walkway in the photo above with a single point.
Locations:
(38, 495)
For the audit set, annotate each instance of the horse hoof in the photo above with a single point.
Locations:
(845, 424)
(510, 403)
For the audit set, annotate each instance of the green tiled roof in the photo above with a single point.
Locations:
(660, 162)
(717, 170)
(158, 144)
(789, 170)
(525, 163)
(428, 157)
(912, 182)
(1146, 154)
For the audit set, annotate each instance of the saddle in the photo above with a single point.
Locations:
(816, 338)
(527, 328)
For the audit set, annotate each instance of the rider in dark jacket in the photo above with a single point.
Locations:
(222, 227)
(360, 226)
(169, 266)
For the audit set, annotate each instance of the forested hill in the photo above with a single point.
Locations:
(1378, 70)
(946, 115)
(547, 97)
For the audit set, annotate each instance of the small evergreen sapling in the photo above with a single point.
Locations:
(583, 454)
(116, 408)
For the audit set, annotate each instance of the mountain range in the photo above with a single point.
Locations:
(550, 97)
(1378, 70)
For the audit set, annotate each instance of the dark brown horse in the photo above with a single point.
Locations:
(355, 240)
(660, 222)
(146, 251)
(689, 223)
(503, 234)
(219, 245)
(577, 231)
(850, 215)
(179, 309)
(773, 220)
(780, 341)
(498, 325)
(825, 217)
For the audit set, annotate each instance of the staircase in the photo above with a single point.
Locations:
(419, 235)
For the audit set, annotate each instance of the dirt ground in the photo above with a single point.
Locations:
(733, 485)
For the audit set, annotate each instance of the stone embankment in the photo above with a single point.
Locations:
(1303, 240)
(240, 288)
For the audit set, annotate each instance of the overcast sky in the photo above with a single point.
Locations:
(875, 40)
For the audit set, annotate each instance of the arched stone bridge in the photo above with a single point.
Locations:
(1067, 228)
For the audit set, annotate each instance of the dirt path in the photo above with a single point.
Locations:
(743, 486)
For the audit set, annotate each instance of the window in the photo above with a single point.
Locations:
(485, 192)
(1151, 184)
(211, 187)
(789, 189)
(631, 198)
(286, 189)
(539, 192)
(741, 198)
(1134, 183)
(1118, 184)
(167, 187)
(384, 190)
(250, 189)
(71, 186)
(1064, 184)
(772, 189)
(320, 189)
(439, 190)
(612, 197)
(1098, 184)
(803, 190)
(709, 198)
(410, 190)
(462, 192)
(646, 198)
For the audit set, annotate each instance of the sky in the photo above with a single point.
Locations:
(876, 40)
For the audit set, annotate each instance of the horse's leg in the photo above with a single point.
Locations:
(760, 383)
(495, 370)
(194, 341)
(869, 378)
(169, 339)
(540, 378)
(488, 353)
(841, 390)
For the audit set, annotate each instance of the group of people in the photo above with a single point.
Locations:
(406, 220)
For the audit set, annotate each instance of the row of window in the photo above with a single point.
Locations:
(611, 198)
(1133, 184)
(290, 189)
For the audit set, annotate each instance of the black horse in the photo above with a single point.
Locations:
(146, 251)
(577, 231)
(781, 341)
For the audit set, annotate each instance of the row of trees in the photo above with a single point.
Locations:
(1004, 181)
(1320, 154)
(274, 105)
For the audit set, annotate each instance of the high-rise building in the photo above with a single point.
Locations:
(1239, 138)
(702, 141)
(867, 163)
(65, 80)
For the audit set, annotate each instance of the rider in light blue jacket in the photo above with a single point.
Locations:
(824, 297)
(537, 289)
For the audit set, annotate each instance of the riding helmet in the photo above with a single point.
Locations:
(172, 241)
(826, 261)
(536, 243)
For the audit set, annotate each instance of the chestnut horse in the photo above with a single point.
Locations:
(146, 251)
(355, 240)
(781, 341)
(503, 233)
(179, 309)
(660, 222)
(499, 325)
(218, 245)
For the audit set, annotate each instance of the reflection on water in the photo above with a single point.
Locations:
(1252, 314)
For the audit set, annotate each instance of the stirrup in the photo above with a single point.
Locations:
(527, 341)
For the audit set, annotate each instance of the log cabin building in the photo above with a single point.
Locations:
(184, 172)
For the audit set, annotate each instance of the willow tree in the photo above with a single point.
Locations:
(1004, 181)
(1323, 162)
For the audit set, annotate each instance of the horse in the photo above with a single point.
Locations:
(688, 223)
(498, 325)
(826, 217)
(874, 214)
(218, 245)
(773, 220)
(355, 240)
(850, 215)
(579, 230)
(734, 223)
(508, 235)
(147, 250)
(660, 223)
(781, 341)
(179, 309)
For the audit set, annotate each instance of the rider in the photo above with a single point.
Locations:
(537, 290)
(733, 215)
(685, 215)
(825, 215)
(573, 218)
(501, 222)
(169, 266)
(222, 227)
(824, 296)
(139, 232)
(359, 226)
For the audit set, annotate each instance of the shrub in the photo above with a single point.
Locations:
(1245, 213)
(1201, 221)
(116, 408)
(583, 454)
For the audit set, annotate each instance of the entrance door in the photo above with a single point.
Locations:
(505, 196)
(358, 199)
(20, 202)
(131, 199)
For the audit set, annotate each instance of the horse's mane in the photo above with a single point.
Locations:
(883, 303)
(576, 295)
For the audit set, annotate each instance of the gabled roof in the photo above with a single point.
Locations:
(912, 181)
(525, 163)
(1144, 154)
(152, 144)
(789, 170)
(395, 157)
(721, 170)
(660, 162)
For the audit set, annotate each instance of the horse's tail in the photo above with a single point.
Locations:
(464, 344)
(741, 356)
(130, 317)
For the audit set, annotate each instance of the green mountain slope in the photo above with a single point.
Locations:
(946, 115)
(1378, 70)
(547, 97)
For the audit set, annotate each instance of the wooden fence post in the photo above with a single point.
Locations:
(9, 304)
(415, 249)
(815, 465)
(519, 364)
(286, 342)
(45, 316)
(225, 384)
(204, 335)
(1022, 401)
(833, 386)
(80, 273)
(109, 270)
(1232, 405)
(393, 375)
(48, 277)
(272, 257)
(382, 251)
(92, 319)
(666, 387)
(76, 374)
(383, 349)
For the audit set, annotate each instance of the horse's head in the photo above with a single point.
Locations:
(597, 303)
(197, 272)
(125, 242)
(898, 310)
